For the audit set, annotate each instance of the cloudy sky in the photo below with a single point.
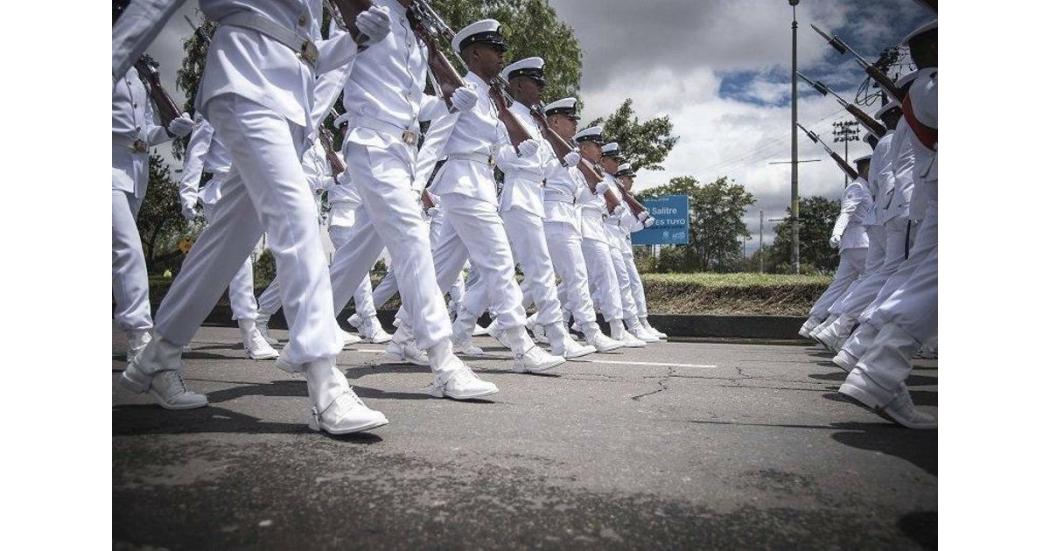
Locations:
(721, 70)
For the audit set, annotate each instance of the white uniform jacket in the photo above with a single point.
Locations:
(856, 200)
(561, 196)
(880, 179)
(524, 176)
(133, 122)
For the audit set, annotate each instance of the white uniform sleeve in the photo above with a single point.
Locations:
(432, 107)
(140, 23)
(193, 166)
(336, 52)
(155, 133)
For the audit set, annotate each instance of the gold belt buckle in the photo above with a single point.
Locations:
(408, 137)
(308, 52)
(139, 146)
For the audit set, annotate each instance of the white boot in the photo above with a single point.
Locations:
(370, 330)
(453, 379)
(158, 370)
(652, 330)
(806, 331)
(845, 361)
(815, 333)
(462, 335)
(598, 340)
(635, 328)
(538, 331)
(137, 341)
(254, 344)
(528, 358)
(563, 345)
(479, 330)
(402, 348)
(349, 339)
(898, 408)
(617, 331)
(262, 323)
(336, 409)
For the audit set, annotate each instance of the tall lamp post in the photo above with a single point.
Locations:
(794, 137)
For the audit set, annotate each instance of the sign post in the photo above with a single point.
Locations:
(671, 222)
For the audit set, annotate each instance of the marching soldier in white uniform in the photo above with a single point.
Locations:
(385, 102)
(909, 316)
(257, 91)
(204, 153)
(849, 306)
(625, 174)
(134, 131)
(467, 188)
(561, 225)
(604, 285)
(521, 208)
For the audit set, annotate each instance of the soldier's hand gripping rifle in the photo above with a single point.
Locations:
(874, 72)
(345, 13)
(636, 206)
(429, 27)
(337, 164)
(850, 171)
(871, 124)
(167, 109)
(562, 148)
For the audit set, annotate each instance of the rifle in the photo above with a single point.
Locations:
(167, 109)
(562, 148)
(428, 200)
(498, 89)
(835, 156)
(337, 164)
(428, 27)
(637, 208)
(873, 125)
(874, 72)
(348, 10)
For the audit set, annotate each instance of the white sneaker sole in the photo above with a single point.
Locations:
(440, 393)
(865, 399)
(400, 358)
(272, 356)
(579, 353)
(346, 430)
(538, 369)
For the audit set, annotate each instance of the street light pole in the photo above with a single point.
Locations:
(761, 242)
(794, 137)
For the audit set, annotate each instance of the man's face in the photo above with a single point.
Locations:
(563, 126)
(628, 182)
(590, 151)
(484, 60)
(610, 164)
(527, 91)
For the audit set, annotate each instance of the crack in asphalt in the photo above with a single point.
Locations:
(663, 384)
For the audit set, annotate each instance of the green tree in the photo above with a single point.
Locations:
(716, 223)
(160, 220)
(644, 144)
(816, 217)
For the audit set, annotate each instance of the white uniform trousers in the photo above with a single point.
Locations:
(623, 279)
(528, 245)
(266, 189)
(851, 264)
(388, 287)
(908, 317)
(474, 229)
(364, 306)
(603, 284)
(391, 217)
(566, 249)
(130, 282)
(893, 238)
(242, 287)
(904, 250)
(872, 262)
(637, 291)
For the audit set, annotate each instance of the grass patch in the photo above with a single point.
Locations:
(733, 294)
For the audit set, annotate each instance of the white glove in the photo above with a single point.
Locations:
(571, 159)
(647, 221)
(601, 188)
(834, 241)
(189, 212)
(618, 210)
(528, 148)
(463, 99)
(181, 126)
(373, 23)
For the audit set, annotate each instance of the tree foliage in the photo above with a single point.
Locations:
(644, 144)
(816, 217)
(160, 220)
(716, 224)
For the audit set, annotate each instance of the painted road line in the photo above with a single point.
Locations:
(656, 364)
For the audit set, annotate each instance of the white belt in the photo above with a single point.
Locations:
(558, 196)
(475, 157)
(135, 144)
(524, 175)
(408, 135)
(303, 46)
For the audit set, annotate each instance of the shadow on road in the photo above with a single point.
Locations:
(920, 527)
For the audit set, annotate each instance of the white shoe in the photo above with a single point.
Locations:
(406, 352)
(806, 330)
(604, 344)
(468, 348)
(479, 331)
(622, 335)
(641, 334)
(539, 333)
(262, 323)
(652, 330)
(165, 383)
(258, 349)
(463, 384)
(371, 331)
(899, 409)
(492, 330)
(137, 341)
(349, 339)
(345, 415)
(572, 350)
(845, 361)
(536, 360)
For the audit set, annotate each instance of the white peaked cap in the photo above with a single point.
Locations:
(885, 108)
(530, 66)
(486, 30)
(593, 134)
(610, 148)
(564, 106)
(927, 26)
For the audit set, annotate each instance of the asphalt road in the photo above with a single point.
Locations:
(675, 445)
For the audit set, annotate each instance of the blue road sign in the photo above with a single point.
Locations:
(671, 226)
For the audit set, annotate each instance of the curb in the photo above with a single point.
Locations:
(711, 328)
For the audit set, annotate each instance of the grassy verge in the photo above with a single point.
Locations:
(702, 293)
